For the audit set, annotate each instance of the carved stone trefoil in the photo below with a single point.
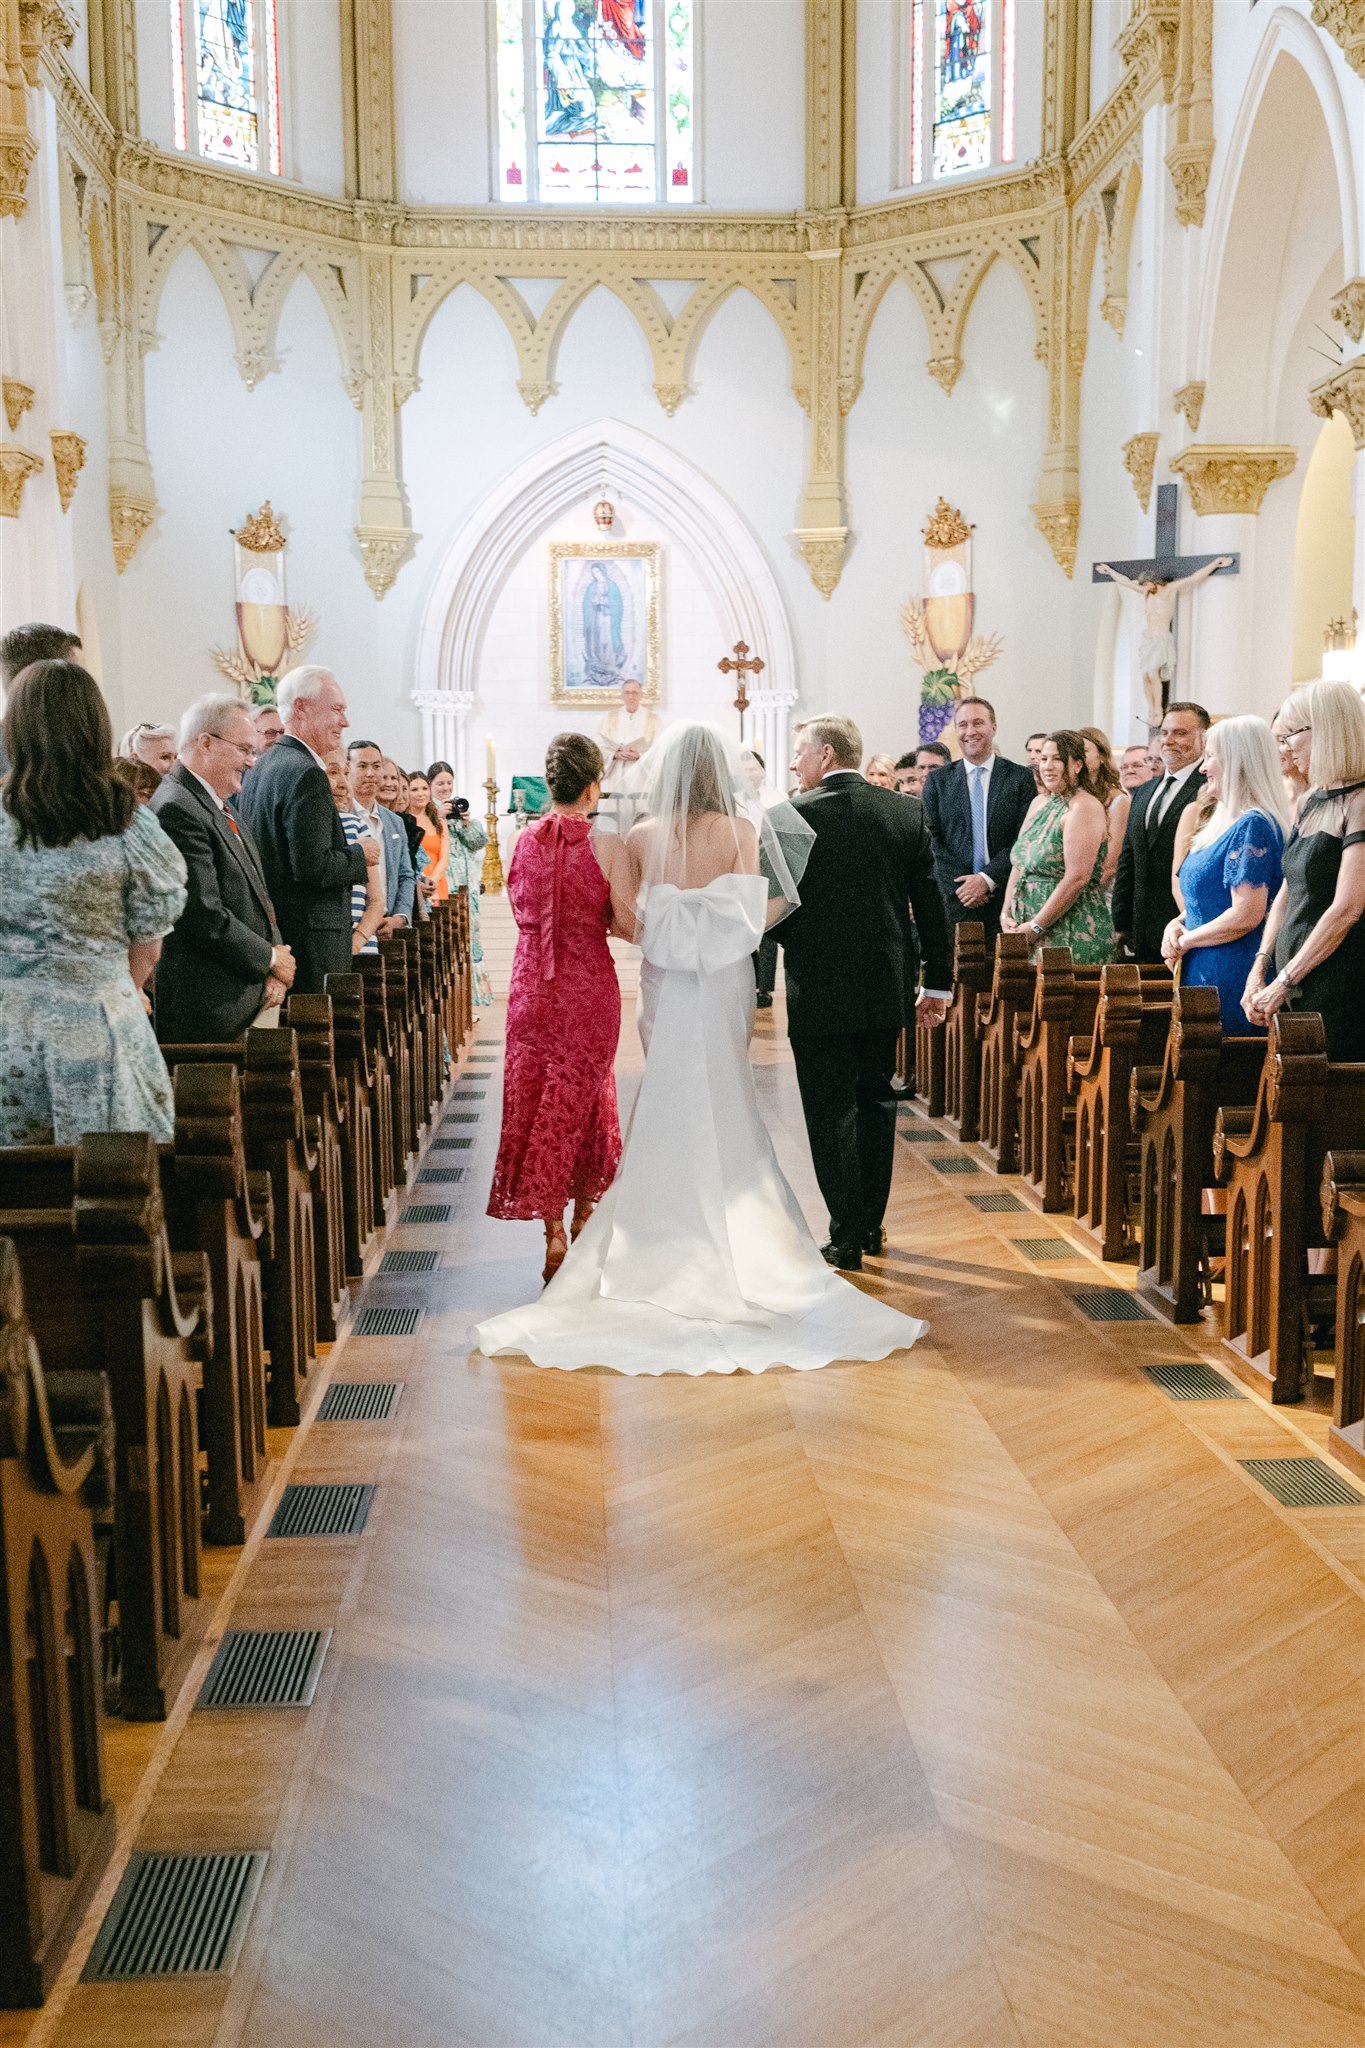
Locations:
(1139, 459)
(68, 460)
(18, 398)
(129, 519)
(384, 552)
(1348, 306)
(1343, 392)
(1189, 403)
(1059, 522)
(1229, 479)
(17, 465)
(823, 549)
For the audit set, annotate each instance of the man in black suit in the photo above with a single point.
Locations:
(223, 961)
(846, 952)
(1144, 901)
(975, 811)
(287, 802)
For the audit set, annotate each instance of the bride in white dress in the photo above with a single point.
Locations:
(699, 1259)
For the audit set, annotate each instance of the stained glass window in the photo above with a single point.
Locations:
(961, 80)
(226, 86)
(595, 102)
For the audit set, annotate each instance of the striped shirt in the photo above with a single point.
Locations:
(357, 828)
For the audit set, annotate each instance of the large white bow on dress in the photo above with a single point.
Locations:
(701, 931)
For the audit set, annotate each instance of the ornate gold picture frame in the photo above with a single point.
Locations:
(604, 620)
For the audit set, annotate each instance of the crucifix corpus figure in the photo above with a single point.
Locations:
(1159, 582)
(739, 663)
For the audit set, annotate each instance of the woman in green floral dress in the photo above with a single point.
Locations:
(468, 839)
(1056, 887)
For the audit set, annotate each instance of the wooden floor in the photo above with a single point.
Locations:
(971, 1698)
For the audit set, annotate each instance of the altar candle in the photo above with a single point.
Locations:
(492, 758)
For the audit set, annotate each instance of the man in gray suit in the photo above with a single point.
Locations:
(223, 961)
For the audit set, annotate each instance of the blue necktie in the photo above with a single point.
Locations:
(979, 854)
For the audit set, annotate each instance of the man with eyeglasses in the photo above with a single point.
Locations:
(223, 963)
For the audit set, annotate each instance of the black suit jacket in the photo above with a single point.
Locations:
(948, 808)
(309, 865)
(1144, 902)
(214, 962)
(848, 945)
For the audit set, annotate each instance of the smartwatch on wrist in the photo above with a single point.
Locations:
(1034, 926)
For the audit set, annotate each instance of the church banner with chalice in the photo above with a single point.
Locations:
(939, 625)
(269, 634)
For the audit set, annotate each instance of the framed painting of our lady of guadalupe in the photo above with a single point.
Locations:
(604, 620)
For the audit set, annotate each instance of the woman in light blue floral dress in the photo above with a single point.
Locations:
(468, 838)
(89, 887)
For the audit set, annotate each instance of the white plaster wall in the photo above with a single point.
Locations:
(1106, 19)
(444, 101)
(154, 105)
(753, 103)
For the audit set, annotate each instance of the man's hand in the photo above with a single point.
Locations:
(973, 890)
(930, 1010)
(274, 992)
(426, 886)
(283, 966)
(370, 848)
(1124, 948)
(388, 927)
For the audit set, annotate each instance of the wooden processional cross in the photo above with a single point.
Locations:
(740, 663)
(1166, 565)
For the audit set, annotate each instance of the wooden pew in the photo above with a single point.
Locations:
(1173, 1108)
(1343, 1225)
(1065, 997)
(962, 1046)
(348, 1058)
(387, 1023)
(406, 950)
(930, 1066)
(56, 1825)
(434, 986)
(1271, 1158)
(457, 907)
(277, 1140)
(335, 1199)
(106, 1294)
(1132, 1022)
(1010, 993)
(362, 1039)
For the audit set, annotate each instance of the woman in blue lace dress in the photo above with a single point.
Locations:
(1231, 874)
(89, 887)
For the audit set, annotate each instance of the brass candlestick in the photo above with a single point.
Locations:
(490, 881)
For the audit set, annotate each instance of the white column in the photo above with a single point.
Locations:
(771, 710)
(445, 718)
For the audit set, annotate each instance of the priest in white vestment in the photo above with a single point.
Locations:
(626, 735)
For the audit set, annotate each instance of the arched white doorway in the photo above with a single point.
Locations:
(661, 490)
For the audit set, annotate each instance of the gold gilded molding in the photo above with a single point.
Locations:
(945, 370)
(1343, 392)
(1139, 459)
(945, 527)
(68, 460)
(1190, 156)
(129, 520)
(1348, 306)
(650, 552)
(17, 151)
(18, 398)
(1344, 21)
(1224, 478)
(822, 550)
(262, 533)
(17, 465)
(1060, 525)
(1148, 44)
(1189, 403)
(1189, 165)
(383, 550)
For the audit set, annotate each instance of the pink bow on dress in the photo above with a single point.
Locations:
(555, 833)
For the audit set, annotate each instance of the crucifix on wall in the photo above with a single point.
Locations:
(740, 663)
(1159, 582)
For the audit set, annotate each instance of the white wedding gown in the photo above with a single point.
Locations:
(698, 1258)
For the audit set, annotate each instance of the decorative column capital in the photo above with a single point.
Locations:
(823, 549)
(1139, 459)
(1344, 21)
(1189, 164)
(384, 551)
(1189, 403)
(17, 151)
(1348, 306)
(1148, 44)
(18, 398)
(1343, 392)
(1059, 522)
(457, 703)
(1231, 479)
(68, 460)
(129, 519)
(17, 465)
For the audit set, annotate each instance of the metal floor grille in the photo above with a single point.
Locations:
(360, 1400)
(409, 1262)
(482, 1059)
(1302, 1482)
(1109, 1305)
(322, 1511)
(1192, 1383)
(460, 1116)
(1001, 1204)
(265, 1667)
(470, 1095)
(178, 1916)
(429, 1212)
(924, 1137)
(450, 1144)
(386, 1322)
(1045, 1249)
(955, 1165)
(440, 1177)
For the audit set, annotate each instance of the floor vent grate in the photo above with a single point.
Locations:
(924, 1137)
(955, 1165)
(177, 1916)
(1045, 1249)
(450, 1145)
(430, 1212)
(440, 1177)
(266, 1667)
(360, 1400)
(409, 1262)
(1001, 1204)
(470, 1095)
(460, 1116)
(328, 1510)
(1302, 1482)
(387, 1322)
(1192, 1383)
(1109, 1305)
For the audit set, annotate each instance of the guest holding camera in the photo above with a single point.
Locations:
(467, 840)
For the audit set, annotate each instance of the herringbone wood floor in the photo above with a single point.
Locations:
(975, 1697)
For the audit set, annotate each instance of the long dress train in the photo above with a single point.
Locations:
(699, 1258)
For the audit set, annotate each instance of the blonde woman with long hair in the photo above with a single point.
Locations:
(1231, 874)
(1314, 932)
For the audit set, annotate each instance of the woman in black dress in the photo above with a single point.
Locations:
(1315, 932)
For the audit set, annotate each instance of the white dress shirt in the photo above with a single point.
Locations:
(1164, 798)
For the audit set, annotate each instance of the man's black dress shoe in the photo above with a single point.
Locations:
(874, 1244)
(763, 1002)
(847, 1257)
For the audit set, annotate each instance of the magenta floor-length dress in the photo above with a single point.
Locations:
(561, 1135)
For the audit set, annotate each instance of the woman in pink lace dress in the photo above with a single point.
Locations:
(561, 1136)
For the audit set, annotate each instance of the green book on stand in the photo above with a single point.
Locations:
(530, 795)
